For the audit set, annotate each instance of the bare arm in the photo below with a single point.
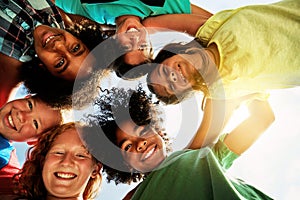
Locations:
(243, 136)
(196, 10)
(9, 76)
(189, 23)
(216, 114)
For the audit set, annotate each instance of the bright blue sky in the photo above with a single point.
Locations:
(272, 164)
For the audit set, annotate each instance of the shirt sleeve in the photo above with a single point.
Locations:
(223, 154)
(5, 151)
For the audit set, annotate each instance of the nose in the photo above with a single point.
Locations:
(59, 46)
(23, 116)
(67, 159)
(173, 77)
(142, 144)
(134, 41)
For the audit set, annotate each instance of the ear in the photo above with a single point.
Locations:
(97, 169)
(42, 65)
(28, 96)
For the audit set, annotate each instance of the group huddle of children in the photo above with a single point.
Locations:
(235, 58)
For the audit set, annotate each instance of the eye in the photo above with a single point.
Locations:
(60, 63)
(76, 48)
(172, 87)
(59, 153)
(127, 147)
(83, 155)
(143, 46)
(30, 106)
(35, 123)
(127, 48)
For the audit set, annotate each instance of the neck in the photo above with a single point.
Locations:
(213, 66)
(213, 53)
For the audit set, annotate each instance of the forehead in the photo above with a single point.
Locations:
(157, 84)
(127, 127)
(69, 136)
(24, 100)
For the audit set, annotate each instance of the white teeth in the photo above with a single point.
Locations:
(182, 77)
(132, 30)
(10, 121)
(63, 175)
(149, 154)
(49, 38)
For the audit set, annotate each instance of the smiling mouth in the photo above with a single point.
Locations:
(181, 75)
(63, 175)
(132, 30)
(48, 38)
(149, 153)
(11, 122)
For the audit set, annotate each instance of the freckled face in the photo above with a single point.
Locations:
(24, 119)
(143, 149)
(68, 166)
(61, 52)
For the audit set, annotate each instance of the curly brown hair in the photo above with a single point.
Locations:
(113, 106)
(54, 90)
(29, 182)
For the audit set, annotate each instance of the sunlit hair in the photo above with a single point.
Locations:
(169, 51)
(110, 107)
(57, 91)
(29, 182)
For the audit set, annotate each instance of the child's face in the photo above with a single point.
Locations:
(134, 37)
(61, 52)
(25, 119)
(143, 148)
(175, 75)
(68, 166)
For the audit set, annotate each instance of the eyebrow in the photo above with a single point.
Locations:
(122, 141)
(85, 149)
(135, 128)
(143, 131)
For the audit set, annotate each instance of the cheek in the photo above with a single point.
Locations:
(133, 161)
(28, 131)
(53, 120)
(46, 171)
(123, 39)
(47, 59)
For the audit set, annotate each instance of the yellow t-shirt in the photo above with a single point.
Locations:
(259, 48)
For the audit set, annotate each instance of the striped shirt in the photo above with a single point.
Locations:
(18, 18)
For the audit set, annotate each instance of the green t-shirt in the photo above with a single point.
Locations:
(196, 174)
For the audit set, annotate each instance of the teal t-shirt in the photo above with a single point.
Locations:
(196, 174)
(106, 11)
